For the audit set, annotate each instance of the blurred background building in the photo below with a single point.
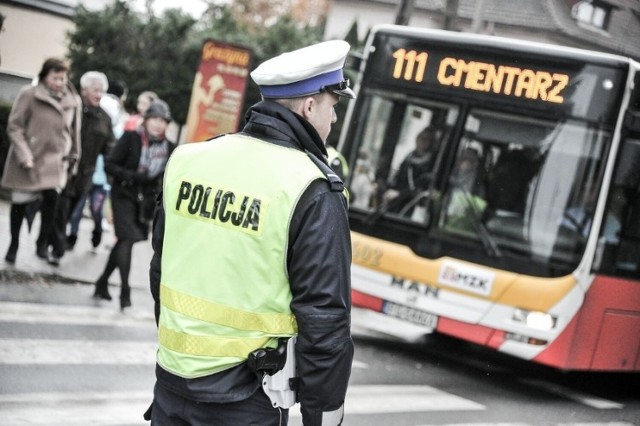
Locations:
(33, 30)
(604, 25)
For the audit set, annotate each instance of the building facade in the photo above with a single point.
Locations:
(32, 32)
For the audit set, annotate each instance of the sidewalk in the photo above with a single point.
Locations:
(81, 264)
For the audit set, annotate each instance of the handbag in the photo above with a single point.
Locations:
(146, 208)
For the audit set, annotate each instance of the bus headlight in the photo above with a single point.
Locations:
(535, 319)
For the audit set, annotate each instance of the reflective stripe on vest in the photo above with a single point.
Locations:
(217, 313)
(225, 289)
(209, 345)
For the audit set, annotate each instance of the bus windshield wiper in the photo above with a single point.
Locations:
(409, 198)
(487, 240)
(383, 208)
(373, 217)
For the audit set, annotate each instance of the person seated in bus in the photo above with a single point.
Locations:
(579, 217)
(510, 178)
(415, 171)
(362, 185)
(576, 222)
(465, 206)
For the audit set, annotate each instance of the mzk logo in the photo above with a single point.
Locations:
(467, 278)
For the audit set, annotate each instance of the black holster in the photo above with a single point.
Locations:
(269, 360)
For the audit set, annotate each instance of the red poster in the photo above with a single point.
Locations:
(218, 91)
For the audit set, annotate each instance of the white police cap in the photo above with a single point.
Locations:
(305, 71)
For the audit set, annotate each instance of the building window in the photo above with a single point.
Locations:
(592, 12)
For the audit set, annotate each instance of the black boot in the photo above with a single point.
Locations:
(42, 250)
(125, 297)
(102, 290)
(15, 223)
(71, 241)
(53, 259)
(12, 252)
(96, 237)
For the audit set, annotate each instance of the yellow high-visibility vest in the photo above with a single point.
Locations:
(224, 288)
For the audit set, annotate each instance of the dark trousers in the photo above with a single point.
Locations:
(64, 209)
(170, 409)
(48, 213)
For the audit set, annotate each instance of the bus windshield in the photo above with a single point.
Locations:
(486, 185)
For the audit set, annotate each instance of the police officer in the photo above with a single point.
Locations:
(251, 245)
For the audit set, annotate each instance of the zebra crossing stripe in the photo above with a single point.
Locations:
(361, 399)
(85, 352)
(529, 424)
(117, 408)
(75, 409)
(40, 313)
(403, 399)
(582, 398)
(380, 399)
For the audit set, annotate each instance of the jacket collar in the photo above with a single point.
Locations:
(68, 100)
(270, 120)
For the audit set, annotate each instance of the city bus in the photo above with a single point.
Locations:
(494, 196)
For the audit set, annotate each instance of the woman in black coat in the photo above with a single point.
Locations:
(136, 166)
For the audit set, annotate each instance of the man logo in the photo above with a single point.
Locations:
(414, 286)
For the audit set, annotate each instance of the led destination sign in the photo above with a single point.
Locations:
(502, 79)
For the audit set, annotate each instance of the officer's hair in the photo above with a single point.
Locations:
(90, 77)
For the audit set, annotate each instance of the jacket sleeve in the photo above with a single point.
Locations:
(319, 261)
(76, 138)
(157, 239)
(17, 125)
(115, 162)
(110, 139)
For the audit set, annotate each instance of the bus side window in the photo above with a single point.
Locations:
(618, 250)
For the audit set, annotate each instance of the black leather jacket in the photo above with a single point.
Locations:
(319, 261)
(97, 138)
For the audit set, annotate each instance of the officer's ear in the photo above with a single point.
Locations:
(308, 106)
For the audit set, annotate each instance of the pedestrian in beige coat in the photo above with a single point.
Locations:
(44, 131)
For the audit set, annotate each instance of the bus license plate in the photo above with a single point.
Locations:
(410, 314)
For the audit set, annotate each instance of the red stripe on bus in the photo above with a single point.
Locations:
(363, 300)
(472, 332)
